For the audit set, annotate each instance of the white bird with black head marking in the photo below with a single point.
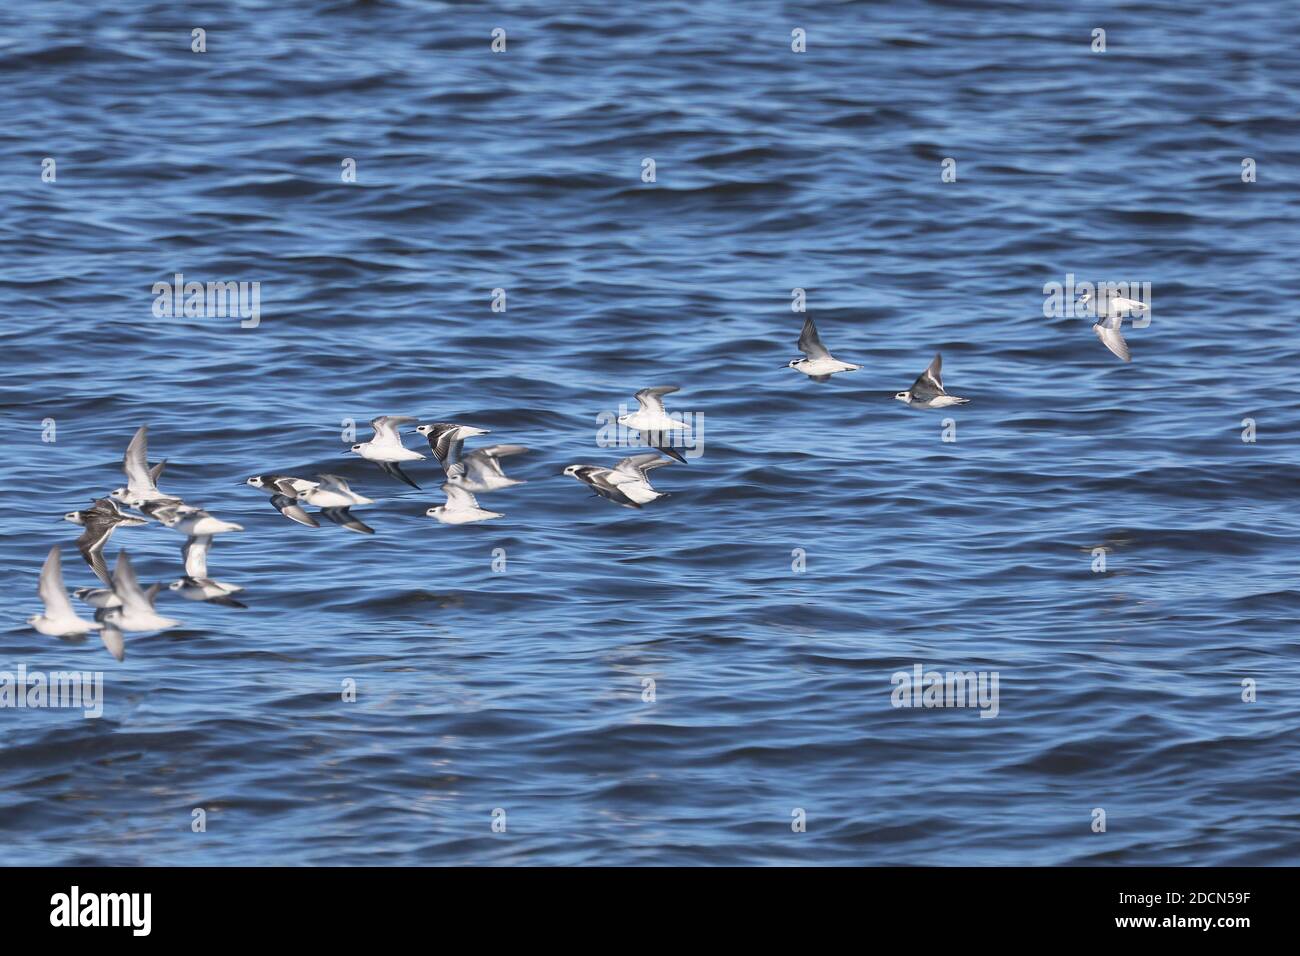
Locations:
(59, 619)
(187, 519)
(386, 449)
(818, 363)
(141, 480)
(1109, 306)
(196, 585)
(651, 419)
(928, 392)
(461, 507)
(603, 482)
(99, 522)
(285, 491)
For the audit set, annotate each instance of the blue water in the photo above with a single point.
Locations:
(522, 689)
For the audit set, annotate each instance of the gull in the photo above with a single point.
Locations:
(141, 480)
(285, 491)
(630, 477)
(480, 470)
(196, 585)
(461, 506)
(59, 619)
(819, 365)
(651, 419)
(386, 448)
(927, 391)
(188, 519)
(446, 439)
(599, 480)
(99, 522)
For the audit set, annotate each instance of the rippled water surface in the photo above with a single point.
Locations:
(522, 690)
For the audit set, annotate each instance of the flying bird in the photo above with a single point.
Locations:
(59, 619)
(285, 491)
(480, 470)
(461, 507)
(927, 391)
(599, 480)
(99, 521)
(652, 421)
(819, 364)
(386, 449)
(187, 519)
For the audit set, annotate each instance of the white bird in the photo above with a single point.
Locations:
(927, 391)
(136, 612)
(141, 480)
(819, 365)
(480, 470)
(332, 492)
(196, 585)
(461, 506)
(1112, 305)
(59, 619)
(650, 416)
(188, 519)
(386, 449)
(285, 491)
(652, 421)
(446, 440)
(630, 477)
(601, 482)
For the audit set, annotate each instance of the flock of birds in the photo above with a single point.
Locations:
(122, 605)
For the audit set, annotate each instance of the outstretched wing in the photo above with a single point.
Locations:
(51, 590)
(135, 462)
(651, 399)
(386, 427)
(458, 497)
(195, 554)
(810, 343)
(482, 462)
(1111, 337)
(635, 467)
(99, 526)
(290, 508)
(929, 385)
